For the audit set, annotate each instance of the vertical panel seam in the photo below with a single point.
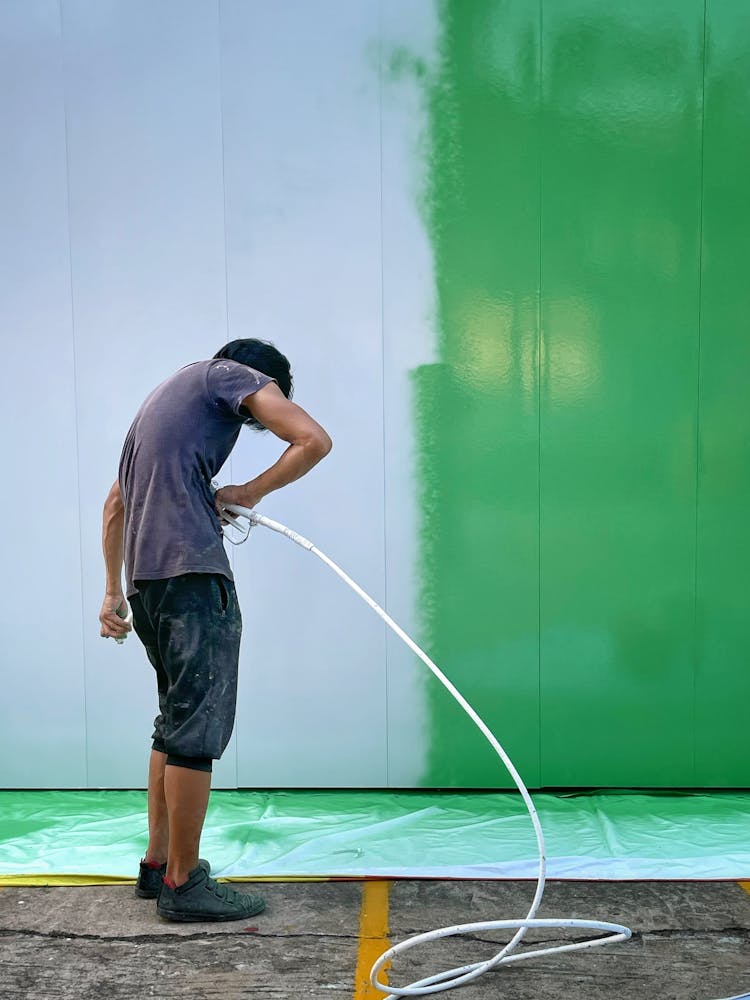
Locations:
(226, 273)
(539, 405)
(382, 383)
(696, 642)
(75, 396)
(223, 166)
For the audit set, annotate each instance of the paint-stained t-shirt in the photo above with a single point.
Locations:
(180, 438)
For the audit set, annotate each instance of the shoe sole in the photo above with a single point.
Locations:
(189, 918)
(146, 893)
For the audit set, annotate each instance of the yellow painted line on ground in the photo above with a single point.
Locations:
(745, 886)
(71, 880)
(64, 880)
(373, 938)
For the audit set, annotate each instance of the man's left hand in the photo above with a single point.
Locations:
(112, 625)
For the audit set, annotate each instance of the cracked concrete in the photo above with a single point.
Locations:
(691, 941)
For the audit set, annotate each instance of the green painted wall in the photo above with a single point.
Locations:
(722, 677)
(584, 446)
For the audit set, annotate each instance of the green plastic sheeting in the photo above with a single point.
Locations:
(400, 834)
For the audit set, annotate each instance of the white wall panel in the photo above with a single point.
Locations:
(42, 710)
(229, 172)
(147, 232)
(302, 168)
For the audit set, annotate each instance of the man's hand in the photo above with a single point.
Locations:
(114, 627)
(241, 496)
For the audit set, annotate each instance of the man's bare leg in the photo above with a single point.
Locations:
(186, 794)
(158, 818)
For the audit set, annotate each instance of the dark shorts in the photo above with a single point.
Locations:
(191, 627)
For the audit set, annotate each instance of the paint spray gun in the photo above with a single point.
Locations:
(238, 533)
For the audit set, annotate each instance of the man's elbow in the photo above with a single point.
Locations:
(323, 444)
(315, 443)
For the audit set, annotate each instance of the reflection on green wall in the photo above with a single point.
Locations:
(558, 433)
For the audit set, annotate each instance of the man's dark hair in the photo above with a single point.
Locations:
(264, 358)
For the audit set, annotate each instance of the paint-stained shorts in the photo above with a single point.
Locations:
(191, 627)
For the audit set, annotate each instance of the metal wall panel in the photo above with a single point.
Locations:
(42, 711)
(147, 236)
(621, 125)
(722, 677)
(502, 244)
(302, 169)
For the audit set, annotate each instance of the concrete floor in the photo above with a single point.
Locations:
(691, 941)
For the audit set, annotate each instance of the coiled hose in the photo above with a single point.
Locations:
(450, 978)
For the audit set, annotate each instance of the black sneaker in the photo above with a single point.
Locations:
(203, 898)
(149, 879)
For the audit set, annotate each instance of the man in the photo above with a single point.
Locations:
(162, 519)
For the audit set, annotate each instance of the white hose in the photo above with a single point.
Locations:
(463, 974)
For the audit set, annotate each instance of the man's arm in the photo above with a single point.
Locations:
(308, 444)
(113, 522)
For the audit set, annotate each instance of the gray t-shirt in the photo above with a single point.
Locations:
(180, 438)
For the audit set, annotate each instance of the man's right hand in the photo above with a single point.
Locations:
(241, 496)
